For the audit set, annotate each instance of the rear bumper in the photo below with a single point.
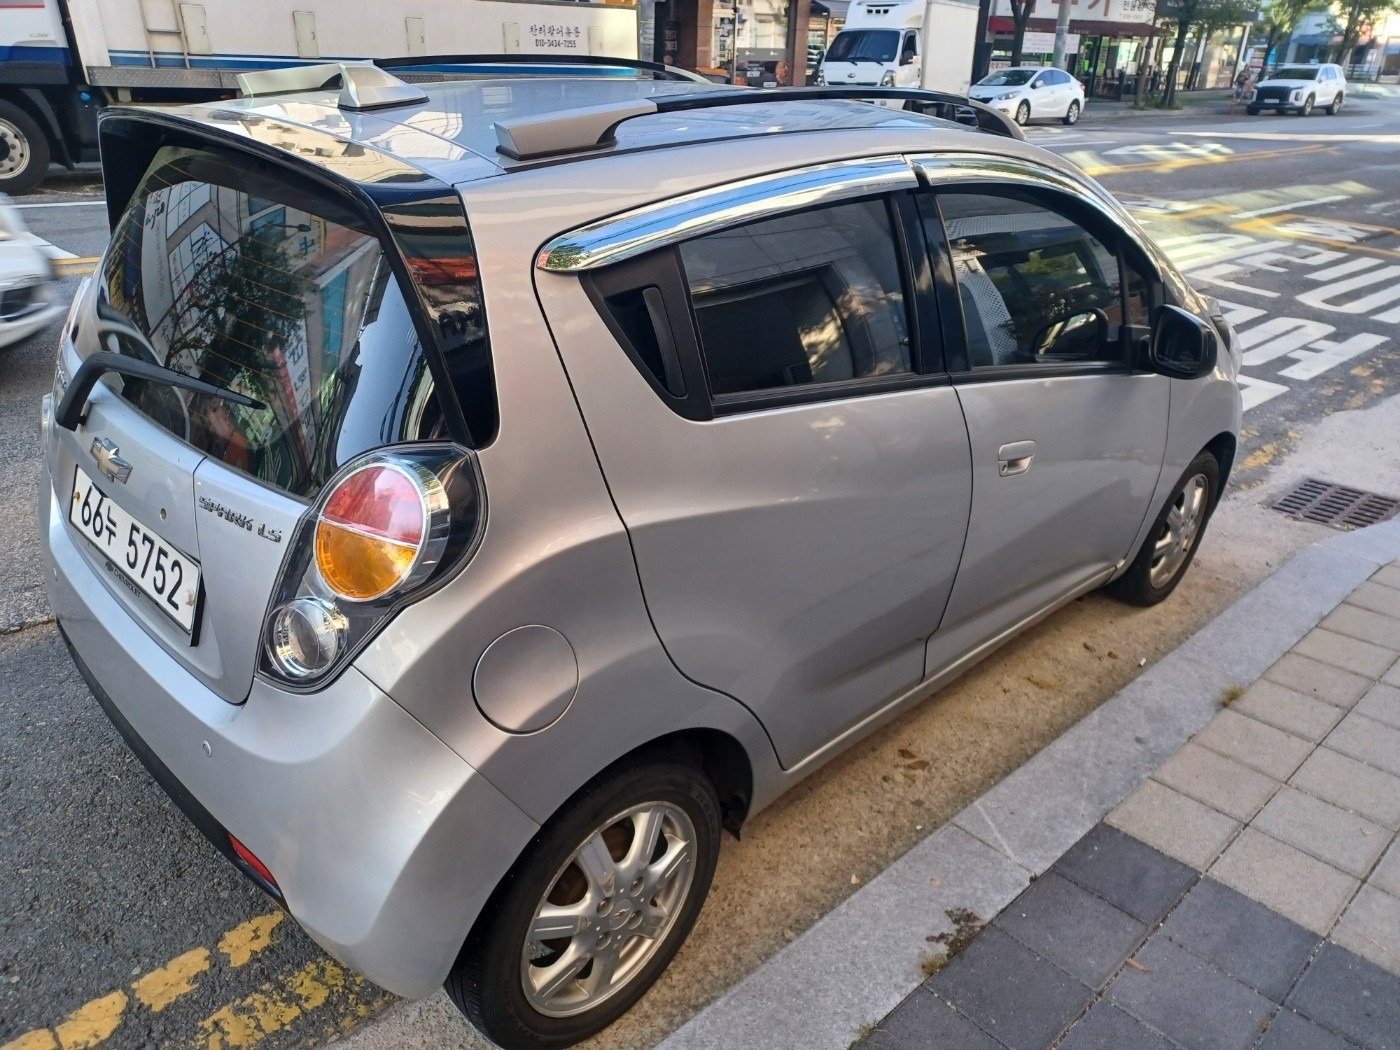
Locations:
(385, 845)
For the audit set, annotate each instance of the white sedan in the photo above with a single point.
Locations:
(1028, 93)
(28, 300)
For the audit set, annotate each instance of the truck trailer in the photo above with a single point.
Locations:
(61, 61)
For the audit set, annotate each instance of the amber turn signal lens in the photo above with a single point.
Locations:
(370, 532)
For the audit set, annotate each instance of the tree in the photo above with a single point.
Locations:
(1204, 16)
(1021, 11)
(1360, 18)
(1279, 18)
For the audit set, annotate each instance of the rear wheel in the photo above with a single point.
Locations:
(1072, 114)
(596, 908)
(1171, 544)
(25, 149)
(1307, 107)
(1023, 114)
(1336, 106)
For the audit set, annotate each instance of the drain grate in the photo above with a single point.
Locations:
(1313, 499)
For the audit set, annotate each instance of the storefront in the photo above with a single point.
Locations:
(749, 41)
(1108, 40)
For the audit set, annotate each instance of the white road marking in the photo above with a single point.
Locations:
(62, 204)
(1289, 207)
(1077, 142)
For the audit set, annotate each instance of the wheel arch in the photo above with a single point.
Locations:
(1223, 447)
(33, 102)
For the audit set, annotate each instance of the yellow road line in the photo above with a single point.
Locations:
(78, 260)
(277, 1004)
(1192, 162)
(1267, 227)
(159, 988)
(94, 1022)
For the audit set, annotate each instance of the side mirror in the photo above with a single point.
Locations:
(1079, 337)
(1182, 346)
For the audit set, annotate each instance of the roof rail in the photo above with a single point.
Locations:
(584, 130)
(362, 85)
(663, 72)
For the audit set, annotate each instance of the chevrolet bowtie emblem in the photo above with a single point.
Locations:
(111, 464)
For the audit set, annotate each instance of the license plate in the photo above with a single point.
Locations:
(141, 556)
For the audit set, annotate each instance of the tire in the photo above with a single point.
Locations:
(1253, 111)
(1172, 541)
(1072, 114)
(1023, 114)
(1336, 106)
(489, 981)
(1307, 109)
(28, 160)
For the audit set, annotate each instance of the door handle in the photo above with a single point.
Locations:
(1015, 458)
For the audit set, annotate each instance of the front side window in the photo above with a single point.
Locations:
(272, 289)
(809, 298)
(1035, 286)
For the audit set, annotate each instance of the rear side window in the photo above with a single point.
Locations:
(265, 285)
(809, 298)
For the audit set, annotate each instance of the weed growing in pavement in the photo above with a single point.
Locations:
(866, 1031)
(1230, 694)
(966, 925)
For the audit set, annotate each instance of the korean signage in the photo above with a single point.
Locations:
(1135, 12)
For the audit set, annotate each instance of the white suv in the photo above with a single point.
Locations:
(1299, 88)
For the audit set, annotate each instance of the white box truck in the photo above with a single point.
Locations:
(62, 60)
(884, 43)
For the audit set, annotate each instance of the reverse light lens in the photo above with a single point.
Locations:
(370, 532)
(307, 636)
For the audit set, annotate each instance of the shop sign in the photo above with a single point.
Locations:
(1044, 43)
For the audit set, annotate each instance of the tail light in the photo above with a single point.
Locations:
(389, 528)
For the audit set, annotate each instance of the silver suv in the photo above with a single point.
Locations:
(470, 497)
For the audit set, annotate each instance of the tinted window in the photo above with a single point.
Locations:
(814, 297)
(264, 286)
(1295, 73)
(1035, 286)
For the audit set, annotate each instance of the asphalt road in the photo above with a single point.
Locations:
(120, 927)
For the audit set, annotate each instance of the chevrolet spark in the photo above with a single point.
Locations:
(471, 497)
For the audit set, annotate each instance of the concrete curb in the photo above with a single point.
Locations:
(859, 962)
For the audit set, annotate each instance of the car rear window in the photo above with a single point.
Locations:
(256, 281)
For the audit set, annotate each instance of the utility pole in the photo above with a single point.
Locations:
(1061, 34)
(981, 51)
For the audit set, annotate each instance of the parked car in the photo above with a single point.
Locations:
(27, 299)
(1031, 93)
(469, 521)
(1299, 88)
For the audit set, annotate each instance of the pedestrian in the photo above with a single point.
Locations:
(1243, 80)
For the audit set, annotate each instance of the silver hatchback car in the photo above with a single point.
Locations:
(470, 497)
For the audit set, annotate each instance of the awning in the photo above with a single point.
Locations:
(830, 8)
(1083, 26)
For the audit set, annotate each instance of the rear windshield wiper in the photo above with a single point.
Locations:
(112, 322)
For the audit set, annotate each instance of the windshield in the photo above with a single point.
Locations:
(270, 289)
(864, 45)
(1008, 78)
(1296, 73)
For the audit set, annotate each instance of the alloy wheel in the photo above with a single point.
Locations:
(1023, 113)
(608, 909)
(1179, 531)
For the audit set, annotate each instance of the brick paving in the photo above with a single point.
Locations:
(1246, 895)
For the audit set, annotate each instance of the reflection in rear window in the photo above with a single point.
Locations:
(273, 291)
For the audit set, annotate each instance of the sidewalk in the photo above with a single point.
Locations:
(1195, 863)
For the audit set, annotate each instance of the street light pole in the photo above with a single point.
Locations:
(1061, 34)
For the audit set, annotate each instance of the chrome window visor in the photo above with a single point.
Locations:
(705, 211)
(968, 169)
